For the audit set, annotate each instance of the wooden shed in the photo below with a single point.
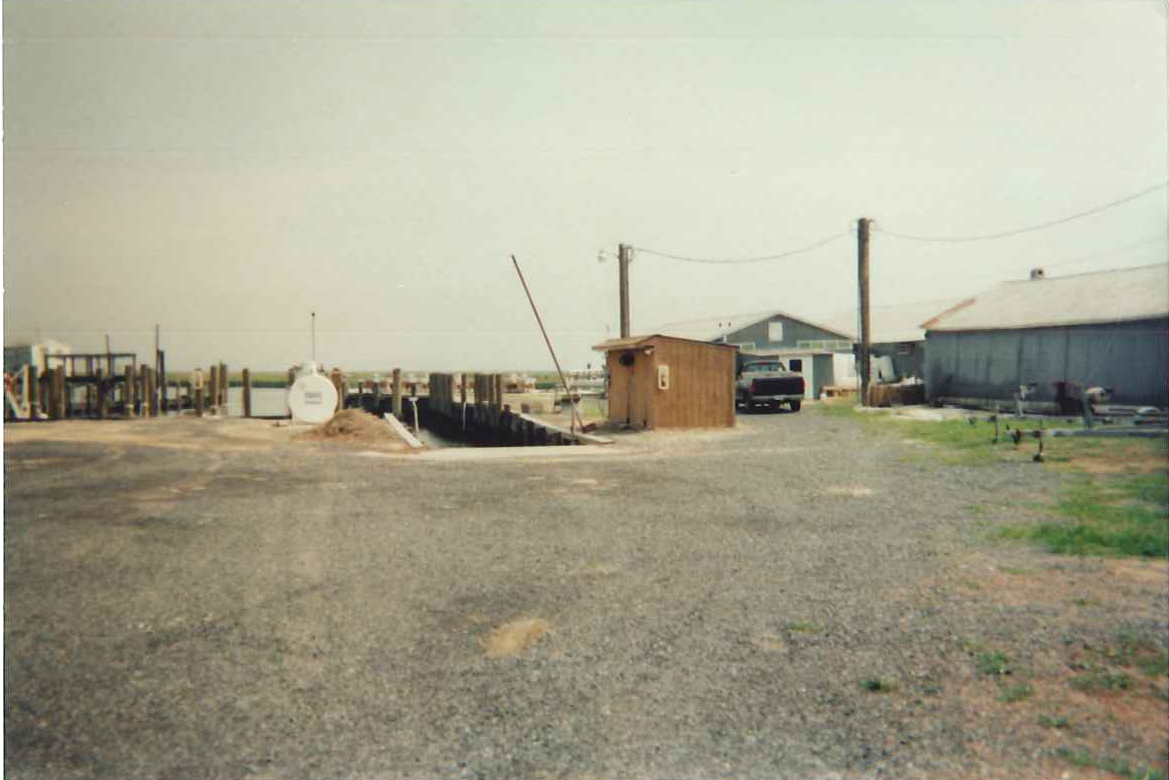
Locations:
(666, 382)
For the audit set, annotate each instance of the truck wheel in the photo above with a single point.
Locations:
(795, 406)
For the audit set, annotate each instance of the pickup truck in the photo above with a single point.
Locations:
(768, 382)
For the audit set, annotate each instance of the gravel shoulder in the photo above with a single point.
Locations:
(791, 598)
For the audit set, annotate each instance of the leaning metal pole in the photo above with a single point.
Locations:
(551, 351)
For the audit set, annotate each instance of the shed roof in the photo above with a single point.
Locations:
(636, 341)
(1080, 299)
(713, 328)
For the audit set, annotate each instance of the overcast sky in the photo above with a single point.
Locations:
(225, 168)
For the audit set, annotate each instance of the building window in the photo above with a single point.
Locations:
(796, 364)
(825, 345)
(775, 332)
(744, 346)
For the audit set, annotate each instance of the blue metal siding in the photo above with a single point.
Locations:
(794, 331)
(1130, 357)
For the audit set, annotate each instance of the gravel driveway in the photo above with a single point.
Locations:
(793, 598)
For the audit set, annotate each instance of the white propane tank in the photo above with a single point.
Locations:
(312, 398)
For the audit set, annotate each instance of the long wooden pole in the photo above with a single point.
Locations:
(563, 381)
(623, 286)
(862, 241)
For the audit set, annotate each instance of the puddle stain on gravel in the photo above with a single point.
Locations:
(513, 638)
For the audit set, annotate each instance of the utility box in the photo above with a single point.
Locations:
(666, 382)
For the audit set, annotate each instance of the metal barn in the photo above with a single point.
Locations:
(665, 382)
(1058, 336)
(816, 352)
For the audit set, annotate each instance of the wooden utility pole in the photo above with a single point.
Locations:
(623, 256)
(862, 262)
(158, 373)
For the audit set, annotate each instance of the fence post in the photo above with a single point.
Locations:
(246, 392)
(129, 382)
(397, 393)
(223, 386)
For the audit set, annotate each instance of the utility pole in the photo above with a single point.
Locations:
(314, 345)
(624, 253)
(862, 264)
(159, 379)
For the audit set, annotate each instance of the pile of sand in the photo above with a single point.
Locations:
(356, 426)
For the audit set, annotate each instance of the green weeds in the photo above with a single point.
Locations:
(993, 663)
(1106, 517)
(1116, 765)
(803, 627)
(1015, 693)
(877, 685)
(1058, 722)
(1098, 679)
(1115, 506)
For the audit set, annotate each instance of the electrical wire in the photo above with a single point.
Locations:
(761, 259)
(1030, 229)
(1108, 252)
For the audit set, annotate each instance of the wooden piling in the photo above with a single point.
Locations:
(162, 383)
(64, 400)
(246, 392)
(198, 401)
(151, 394)
(397, 399)
(212, 386)
(128, 381)
(223, 385)
(102, 393)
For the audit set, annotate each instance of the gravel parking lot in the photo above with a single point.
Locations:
(791, 598)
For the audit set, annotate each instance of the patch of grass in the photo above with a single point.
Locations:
(803, 627)
(877, 685)
(1119, 506)
(1014, 571)
(1015, 693)
(1116, 765)
(1058, 722)
(971, 584)
(993, 663)
(1083, 602)
(970, 645)
(1101, 680)
(1107, 516)
(1145, 655)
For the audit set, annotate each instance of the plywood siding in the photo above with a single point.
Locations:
(630, 389)
(701, 393)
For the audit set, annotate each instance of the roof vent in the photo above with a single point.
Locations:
(1037, 273)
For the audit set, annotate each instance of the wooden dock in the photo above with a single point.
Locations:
(470, 406)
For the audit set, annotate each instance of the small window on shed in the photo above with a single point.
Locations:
(796, 364)
(905, 347)
(775, 332)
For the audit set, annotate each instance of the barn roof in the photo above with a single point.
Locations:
(636, 341)
(714, 328)
(1080, 299)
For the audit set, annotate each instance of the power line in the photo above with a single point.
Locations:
(1032, 228)
(761, 259)
(1109, 252)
